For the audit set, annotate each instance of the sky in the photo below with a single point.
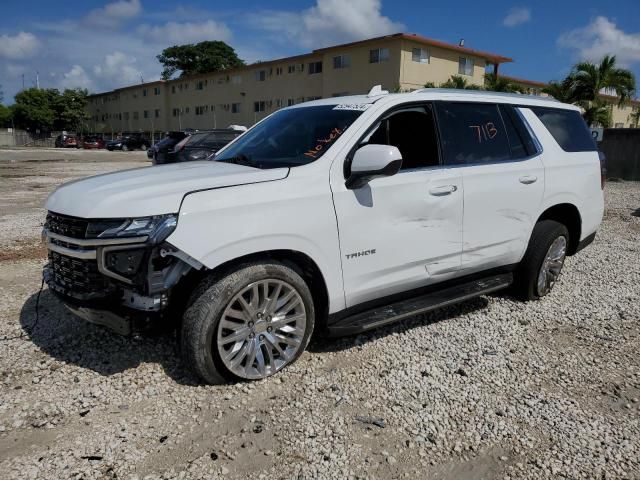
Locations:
(102, 45)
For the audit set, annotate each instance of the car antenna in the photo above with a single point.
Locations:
(376, 91)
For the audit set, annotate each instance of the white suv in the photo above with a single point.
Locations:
(334, 216)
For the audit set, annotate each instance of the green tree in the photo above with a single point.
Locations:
(563, 91)
(634, 117)
(32, 109)
(590, 80)
(70, 110)
(5, 116)
(429, 85)
(203, 57)
(460, 83)
(496, 83)
(596, 113)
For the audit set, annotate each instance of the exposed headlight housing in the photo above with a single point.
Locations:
(157, 228)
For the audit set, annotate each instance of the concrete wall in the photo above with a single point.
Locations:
(621, 147)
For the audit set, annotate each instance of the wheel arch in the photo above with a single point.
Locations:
(569, 215)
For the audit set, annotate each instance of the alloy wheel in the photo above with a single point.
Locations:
(262, 329)
(552, 265)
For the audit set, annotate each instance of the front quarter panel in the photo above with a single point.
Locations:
(296, 213)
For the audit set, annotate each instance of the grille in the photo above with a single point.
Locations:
(77, 277)
(82, 228)
(68, 226)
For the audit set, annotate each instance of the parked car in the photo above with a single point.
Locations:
(66, 141)
(201, 145)
(158, 152)
(93, 142)
(129, 142)
(335, 216)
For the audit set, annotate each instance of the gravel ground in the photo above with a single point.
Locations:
(492, 388)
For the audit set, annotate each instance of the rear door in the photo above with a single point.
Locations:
(503, 177)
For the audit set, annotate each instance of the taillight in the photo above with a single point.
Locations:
(603, 169)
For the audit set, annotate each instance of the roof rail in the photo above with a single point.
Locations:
(484, 92)
(376, 91)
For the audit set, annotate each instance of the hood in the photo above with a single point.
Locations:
(150, 190)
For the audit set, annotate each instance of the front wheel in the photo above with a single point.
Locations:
(543, 261)
(125, 148)
(249, 324)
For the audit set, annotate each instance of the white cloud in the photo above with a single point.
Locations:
(117, 69)
(517, 16)
(329, 22)
(173, 33)
(602, 37)
(20, 46)
(76, 78)
(114, 14)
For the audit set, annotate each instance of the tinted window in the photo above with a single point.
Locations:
(520, 140)
(568, 129)
(472, 133)
(412, 130)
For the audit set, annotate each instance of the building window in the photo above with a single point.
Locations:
(144, 92)
(261, 75)
(145, 114)
(465, 66)
(290, 102)
(420, 55)
(236, 79)
(126, 115)
(175, 112)
(157, 113)
(156, 91)
(619, 125)
(235, 108)
(315, 67)
(135, 115)
(173, 89)
(186, 110)
(291, 68)
(259, 106)
(279, 70)
(202, 109)
(199, 85)
(378, 55)
(341, 61)
(278, 102)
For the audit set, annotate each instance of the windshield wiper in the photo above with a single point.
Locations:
(241, 159)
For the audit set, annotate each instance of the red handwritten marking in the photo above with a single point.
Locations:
(488, 131)
(313, 152)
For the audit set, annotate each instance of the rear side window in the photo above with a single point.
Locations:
(568, 129)
(520, 141)
(472, 133)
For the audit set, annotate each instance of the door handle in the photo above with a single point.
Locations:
(528, 179)
(442, 191)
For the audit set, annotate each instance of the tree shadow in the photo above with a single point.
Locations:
(322, 345)
(72, 340)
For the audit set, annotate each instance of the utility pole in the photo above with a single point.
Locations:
(37, 80)
(23, 81)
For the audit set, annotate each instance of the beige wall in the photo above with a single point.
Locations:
(220, 91)
(620, 116)
(442, 65)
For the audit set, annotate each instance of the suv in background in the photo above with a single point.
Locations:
(201, 145)
(158, 152)
(334, 216)
(129, 142)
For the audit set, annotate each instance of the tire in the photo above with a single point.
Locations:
(547, 250)
(143, 147)
(125, 148)
(247, 350)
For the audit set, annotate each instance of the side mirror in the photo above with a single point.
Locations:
(373, 161)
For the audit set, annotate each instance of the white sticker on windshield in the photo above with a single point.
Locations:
(361, 107)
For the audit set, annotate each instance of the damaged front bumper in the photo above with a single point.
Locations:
(124, 284)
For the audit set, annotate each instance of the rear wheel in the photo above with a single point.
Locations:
(543, 261)
(125, 148)
(143, 147)
(249, 324)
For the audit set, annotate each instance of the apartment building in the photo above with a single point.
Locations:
(245, 95)
(621, 116)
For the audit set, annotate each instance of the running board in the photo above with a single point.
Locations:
(394, 312)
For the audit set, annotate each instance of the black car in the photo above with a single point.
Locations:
(158, 152)
(129, 142)
(201, 145)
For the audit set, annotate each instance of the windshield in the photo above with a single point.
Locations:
(291, 137)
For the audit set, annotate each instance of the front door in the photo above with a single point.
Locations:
(401, 232)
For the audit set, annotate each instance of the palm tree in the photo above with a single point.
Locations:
(634, 117)
(596, 113)
(495, 83)
(563, 91)
(459, 83)
(590, 80)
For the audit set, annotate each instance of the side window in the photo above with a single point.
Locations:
(567, 127)
(472, 133)
(520, 140)
(412, 130)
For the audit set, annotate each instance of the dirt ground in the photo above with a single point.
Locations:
(492, 388)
